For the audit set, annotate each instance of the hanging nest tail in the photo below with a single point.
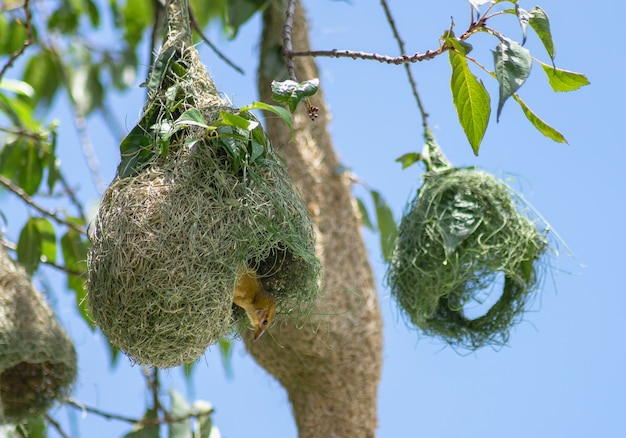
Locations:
(37, 358)
(461, 231)
(199, 195)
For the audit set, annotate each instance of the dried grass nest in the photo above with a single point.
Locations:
(37, 358)
(169, 240)
(462, 231)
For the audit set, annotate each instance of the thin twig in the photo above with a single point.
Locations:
(287, 45)
(107, 415)
(407, 67)
(13, 247)
(80, 208)
(7, 183)
(56, 425)
(397, 60)
(30, 40)
(195, 26)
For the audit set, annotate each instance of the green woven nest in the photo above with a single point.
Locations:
(169, 240)
(461, 231)
(37, 358)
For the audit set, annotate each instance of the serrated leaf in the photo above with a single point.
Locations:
(541, 25)
(409, 159)
(564, 80)
(386, 225)
(541, 126)
(291, 93)
(29, 246)
(512, 64)
(471, 100)
(365, 218)
(179, 408)
(48, 239)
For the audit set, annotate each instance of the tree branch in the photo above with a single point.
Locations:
(8, 184)
(287, 44)
(30, 40)
(407, 67)
(56, 426)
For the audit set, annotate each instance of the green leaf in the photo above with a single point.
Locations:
(48, 239)
(43, 74)
(279, 111)
(29, 246)
(192, 116)
(460, 217)
(564, 80)
(541, 25)
(14, 38)
(365, 218)
(386, 225)
(75, 250)
(54, 164)
(141, 431)
(86, 88)
(240, 11)
(180, 408)
(203, 410)
(31, 172)
(512, 66)
(291, 93)
(471, 100)
(523, 16)
(541, 126)
(137, 16)
(138, 147)
(34, 428)
(229, 119)
(409, 159)
(226, 354)
(17, 87)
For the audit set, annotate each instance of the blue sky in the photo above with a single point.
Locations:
(562, 372)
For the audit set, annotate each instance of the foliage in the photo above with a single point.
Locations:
(67, 60)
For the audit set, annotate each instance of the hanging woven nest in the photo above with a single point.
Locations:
(460, 234)
(37, 358)
(200, 194)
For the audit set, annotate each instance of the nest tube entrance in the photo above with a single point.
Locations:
(462, 231)
(37, 358)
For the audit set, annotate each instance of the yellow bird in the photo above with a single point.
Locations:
(252, 297)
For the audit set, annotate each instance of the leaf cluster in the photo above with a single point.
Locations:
(512, 64)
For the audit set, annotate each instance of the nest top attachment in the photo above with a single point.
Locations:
(461, 231)
(200, 193)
